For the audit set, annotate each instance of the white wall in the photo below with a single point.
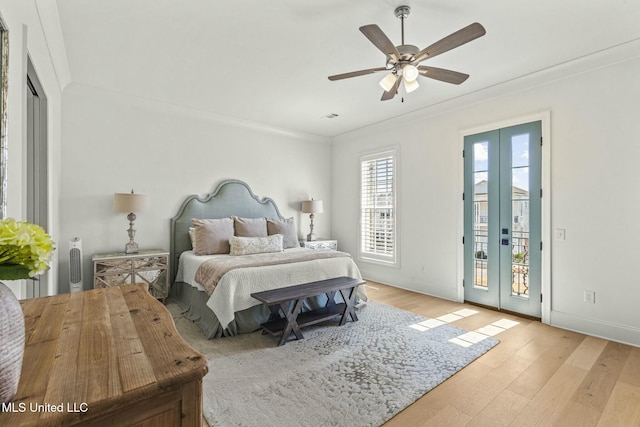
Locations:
(113, 143)
(27, 37)
(594, 194)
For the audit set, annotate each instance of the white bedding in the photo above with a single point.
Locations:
(233, 291)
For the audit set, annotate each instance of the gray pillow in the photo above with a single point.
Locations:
(250, 227)
(286, 227)
(212, 235)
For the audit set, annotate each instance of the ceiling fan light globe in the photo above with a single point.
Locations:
(388, 82)
(410, 86)
(410, 73)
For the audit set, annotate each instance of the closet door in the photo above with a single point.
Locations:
(37, 168)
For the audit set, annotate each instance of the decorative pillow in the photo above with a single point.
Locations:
(192, 237)
(212, 235)
(250, 227)
(255, 245)
(286, 227)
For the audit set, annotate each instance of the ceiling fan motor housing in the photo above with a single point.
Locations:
(407, 53)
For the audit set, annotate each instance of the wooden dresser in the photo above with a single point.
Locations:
(107, 357)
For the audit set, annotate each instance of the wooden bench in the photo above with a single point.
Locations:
(289, 301)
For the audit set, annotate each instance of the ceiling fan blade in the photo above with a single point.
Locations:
(443, 75)
(380, 40)
(391, 92)
(460, 37)
(356, 73)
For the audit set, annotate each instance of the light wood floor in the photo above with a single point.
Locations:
(537, 376)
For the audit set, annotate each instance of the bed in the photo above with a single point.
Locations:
(226, 307)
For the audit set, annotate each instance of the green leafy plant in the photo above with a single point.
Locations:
(518, 258)
(25, 250)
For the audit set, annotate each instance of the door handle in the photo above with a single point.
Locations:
(505, 232)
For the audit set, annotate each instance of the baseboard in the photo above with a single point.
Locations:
(407, 288)
(606, 330)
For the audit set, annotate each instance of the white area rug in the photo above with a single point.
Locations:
(359, 374)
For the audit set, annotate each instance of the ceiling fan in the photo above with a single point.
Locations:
(402, 61)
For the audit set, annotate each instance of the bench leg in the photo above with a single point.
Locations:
(292, 323)
(275, 314)
(349, 302)
(331, 298)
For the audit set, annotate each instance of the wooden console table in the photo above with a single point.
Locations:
(105, 357)
(288, 300)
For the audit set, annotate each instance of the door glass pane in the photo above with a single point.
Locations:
(520, 215)
(481, 213)
(520, 150)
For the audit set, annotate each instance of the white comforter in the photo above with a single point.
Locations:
(233, 291)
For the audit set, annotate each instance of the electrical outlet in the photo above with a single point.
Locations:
(590, 297)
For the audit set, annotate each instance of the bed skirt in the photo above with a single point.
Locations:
(193, 304)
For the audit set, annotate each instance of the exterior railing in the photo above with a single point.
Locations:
(519, 261)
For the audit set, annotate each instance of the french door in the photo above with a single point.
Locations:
(502, 218)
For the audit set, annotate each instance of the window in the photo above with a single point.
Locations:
(378, 207)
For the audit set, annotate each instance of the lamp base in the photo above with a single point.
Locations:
(311, 237)
(131, 248)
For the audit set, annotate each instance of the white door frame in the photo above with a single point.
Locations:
(545, 118)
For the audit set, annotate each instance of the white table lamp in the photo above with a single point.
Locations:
(130, 203)
(311, 207)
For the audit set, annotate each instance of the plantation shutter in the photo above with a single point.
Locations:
(377, 201)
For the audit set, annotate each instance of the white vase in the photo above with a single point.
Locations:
(11, 343)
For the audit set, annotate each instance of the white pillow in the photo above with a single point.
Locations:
(255, 245)
(192, 237)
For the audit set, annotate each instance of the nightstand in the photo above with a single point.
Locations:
(118, 268)
(325, 244)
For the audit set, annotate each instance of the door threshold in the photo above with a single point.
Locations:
(513, 313)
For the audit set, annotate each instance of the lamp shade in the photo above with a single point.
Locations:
(312, 206)
(130, 202)
(410, 73)
(388, 82)
(411, 86)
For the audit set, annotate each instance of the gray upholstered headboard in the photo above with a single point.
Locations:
(231, 197)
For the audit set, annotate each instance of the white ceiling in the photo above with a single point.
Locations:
(268, 61)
